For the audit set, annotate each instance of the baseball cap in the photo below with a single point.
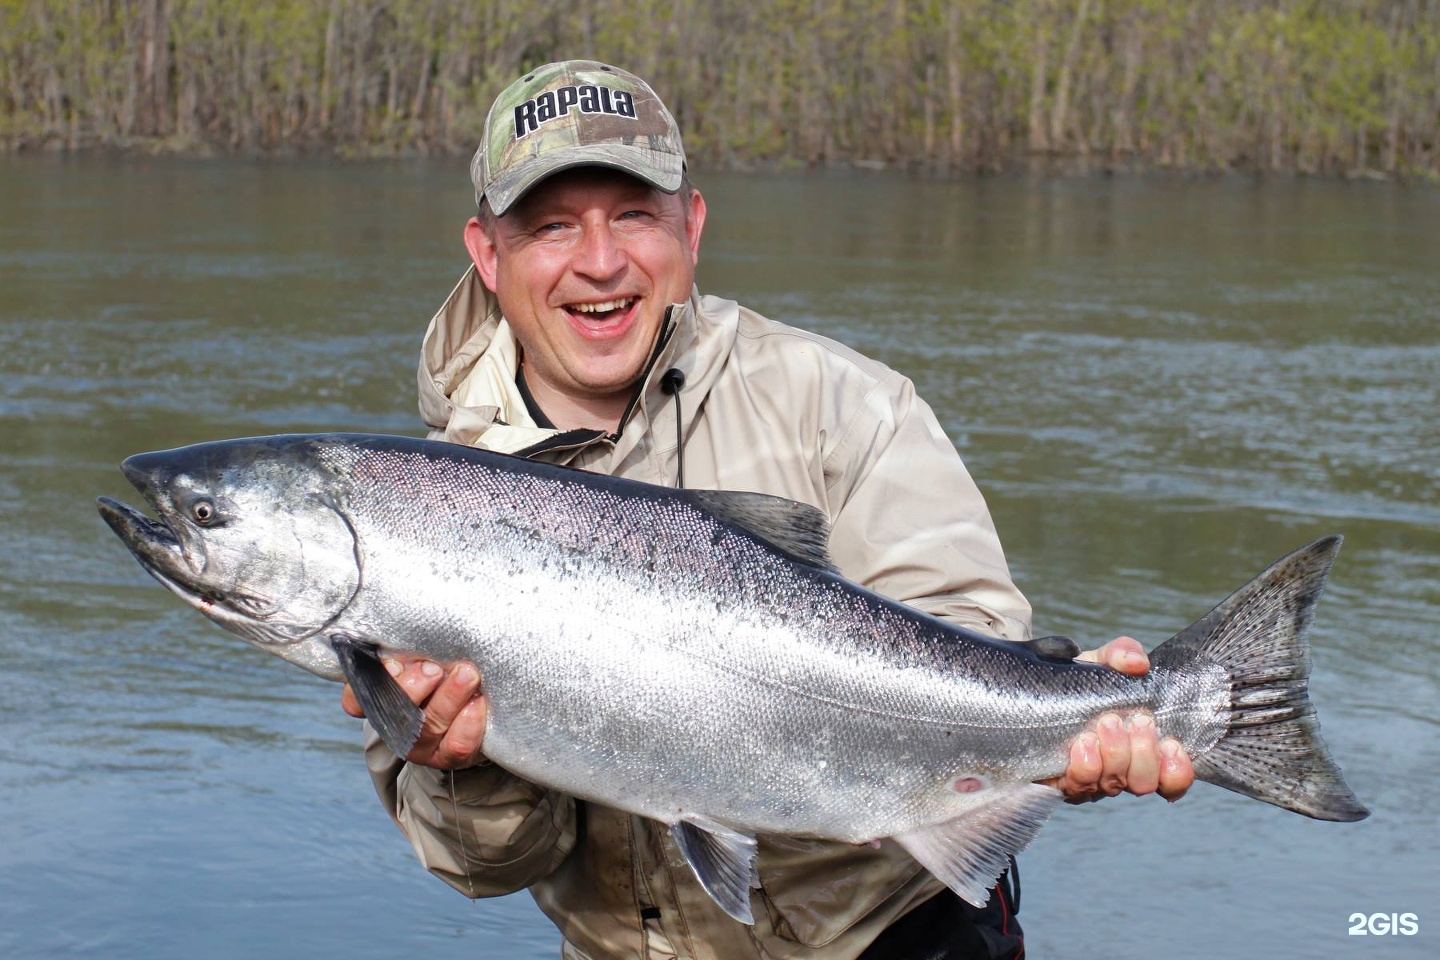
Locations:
(574, 113)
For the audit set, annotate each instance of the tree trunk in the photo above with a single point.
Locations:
(1059, 116)
(1038, 138)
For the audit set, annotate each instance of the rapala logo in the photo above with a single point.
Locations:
(587, 98)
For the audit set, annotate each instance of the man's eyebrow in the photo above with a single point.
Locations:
(522, 216)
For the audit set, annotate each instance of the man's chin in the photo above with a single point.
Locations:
(604, 381)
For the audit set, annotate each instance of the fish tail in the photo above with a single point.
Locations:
(1271, 748)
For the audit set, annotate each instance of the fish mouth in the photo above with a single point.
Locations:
(159, 549)
(163, 555)
(152, 542)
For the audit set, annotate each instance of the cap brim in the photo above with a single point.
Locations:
(664, 171)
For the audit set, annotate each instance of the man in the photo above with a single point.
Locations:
(578, 337)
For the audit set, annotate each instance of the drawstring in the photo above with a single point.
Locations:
(671, 383)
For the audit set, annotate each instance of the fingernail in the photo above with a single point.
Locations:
(393, 667)
(431, 669)
(1109, 722)
(1168, 748)
(465, 674)
(1136, 659)
(1141, 721)
(1089, 744)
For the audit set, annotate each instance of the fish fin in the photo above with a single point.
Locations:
(1271, 749)
(1054, 649)
(723, 861)
(798, 530)
(969, 852)
(389, 710)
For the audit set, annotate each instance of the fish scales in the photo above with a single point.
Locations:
(762, 649)
(690, 656)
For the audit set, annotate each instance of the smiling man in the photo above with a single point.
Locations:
(584, 267)
(578, 337)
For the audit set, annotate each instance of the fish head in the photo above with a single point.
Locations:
(250, 534)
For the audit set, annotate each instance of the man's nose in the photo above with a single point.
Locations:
(600, 257)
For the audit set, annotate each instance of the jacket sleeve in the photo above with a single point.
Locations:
(482, 830)
(909, 522)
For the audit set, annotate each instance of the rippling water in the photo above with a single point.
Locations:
(1161, 385)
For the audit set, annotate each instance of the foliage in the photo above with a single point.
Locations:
(1323, 86)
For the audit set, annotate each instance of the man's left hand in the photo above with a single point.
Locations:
(1124, 757)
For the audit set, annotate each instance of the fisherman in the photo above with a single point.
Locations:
(577, 336)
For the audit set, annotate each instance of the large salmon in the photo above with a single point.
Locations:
(692, 657)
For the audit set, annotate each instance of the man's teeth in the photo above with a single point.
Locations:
(604, 307)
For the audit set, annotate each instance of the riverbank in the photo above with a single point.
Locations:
(1032, 165)
(974, 86)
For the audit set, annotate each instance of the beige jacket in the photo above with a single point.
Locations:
(767, 408)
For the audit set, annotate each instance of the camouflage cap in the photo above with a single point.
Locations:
(573, 114)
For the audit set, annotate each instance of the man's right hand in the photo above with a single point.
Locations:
(454, 706)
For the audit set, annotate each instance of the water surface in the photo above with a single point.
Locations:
(1161, 385)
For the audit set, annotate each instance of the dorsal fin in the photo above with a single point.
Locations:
(796, 529)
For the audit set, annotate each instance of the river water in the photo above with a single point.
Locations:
(1161, 384)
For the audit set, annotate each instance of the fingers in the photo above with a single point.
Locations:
(1099, 762)
(1124, 757)
(1142, 763)
(1114, 755)
(1123, 653)
(454, 720)
(418, 678)
(1143, 774)
(349, 704)
(463, 741)
(451, 695)
(454, 728)
(1082, 776)
(1177, 774)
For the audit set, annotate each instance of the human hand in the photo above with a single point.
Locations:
(1117, 756)
(454, 705)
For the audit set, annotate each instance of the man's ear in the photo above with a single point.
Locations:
(482, 251)
(695, 224)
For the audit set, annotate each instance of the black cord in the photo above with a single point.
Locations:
(671, 383)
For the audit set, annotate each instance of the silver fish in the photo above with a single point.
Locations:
(691, 656)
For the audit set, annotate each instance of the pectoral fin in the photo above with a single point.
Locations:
(389, 710)
(969, 853)
(723, 861)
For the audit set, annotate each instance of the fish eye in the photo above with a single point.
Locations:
(204, 512)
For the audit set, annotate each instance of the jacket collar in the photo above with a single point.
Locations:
(467, 367)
